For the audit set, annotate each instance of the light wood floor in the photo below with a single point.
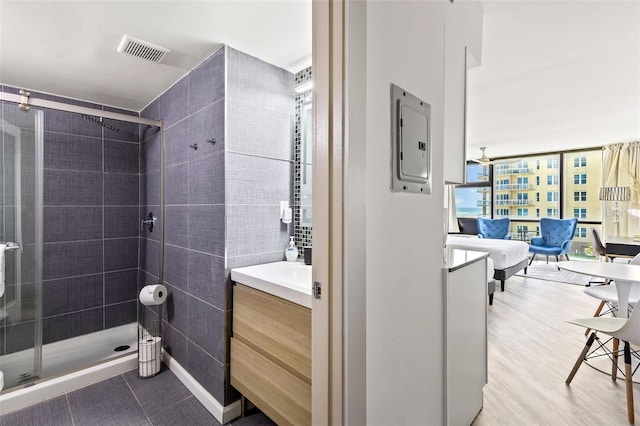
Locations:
(532, 350)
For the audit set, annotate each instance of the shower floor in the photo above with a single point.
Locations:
(70, 354)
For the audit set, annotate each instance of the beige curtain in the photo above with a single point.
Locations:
(621, 167)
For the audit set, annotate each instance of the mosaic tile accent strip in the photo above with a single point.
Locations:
(302, 234)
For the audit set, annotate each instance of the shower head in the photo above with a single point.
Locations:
(100, 122)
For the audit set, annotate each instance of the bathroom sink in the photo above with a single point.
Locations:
(288, 280)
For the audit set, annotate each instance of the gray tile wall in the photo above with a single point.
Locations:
(221, 199)
(193, 319)
(260, 105)
(91, 217)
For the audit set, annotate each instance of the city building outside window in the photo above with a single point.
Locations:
(580, 161)
(552, 180)
(580, 179)
(580, 213)
(552, 212)
(552, 196)
(580, 196)
(474, 198)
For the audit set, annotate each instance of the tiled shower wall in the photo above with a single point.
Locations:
(193, 113)
(215, 204)
(259, 159)
(90, 253)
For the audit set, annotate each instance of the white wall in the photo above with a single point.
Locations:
(404, 330)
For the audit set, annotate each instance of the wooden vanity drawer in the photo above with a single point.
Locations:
(274, 326)
(283, 396)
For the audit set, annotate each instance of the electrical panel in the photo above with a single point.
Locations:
(410, 143)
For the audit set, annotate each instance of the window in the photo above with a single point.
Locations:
(523, 212)
(580, 196)
(537, 197)
(580, 213)
(580, 161)
(474, 198)
(581, 233)
(580, 179)
(502, 169)
(523, 182)
(522, 196)
(502, 184)
(552, 196)
(537, 164)
(502, 212)
(552, 212)
(538, 180)
(552, 179)
(552, 163)
(537, 212)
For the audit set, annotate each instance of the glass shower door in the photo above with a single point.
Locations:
(21, 145)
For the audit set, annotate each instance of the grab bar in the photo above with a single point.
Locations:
(11, 246)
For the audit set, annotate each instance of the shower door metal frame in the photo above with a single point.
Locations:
(39, 209)
(26, 102)
(38, 228)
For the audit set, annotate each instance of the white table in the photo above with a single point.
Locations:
(623, 274)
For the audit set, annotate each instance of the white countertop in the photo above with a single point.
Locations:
(457, 258)
(288, 280)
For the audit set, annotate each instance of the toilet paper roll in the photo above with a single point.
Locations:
(153, 294)
(149, 356)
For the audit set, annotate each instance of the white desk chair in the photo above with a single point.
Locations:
(626, 330)
(608, 294)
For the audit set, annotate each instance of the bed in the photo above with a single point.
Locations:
(509, 257)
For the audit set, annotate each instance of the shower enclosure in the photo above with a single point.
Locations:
(76, 182)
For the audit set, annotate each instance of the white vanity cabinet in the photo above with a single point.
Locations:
(271, 339)
(465, 348)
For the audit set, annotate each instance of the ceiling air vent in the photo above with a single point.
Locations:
(142, 49)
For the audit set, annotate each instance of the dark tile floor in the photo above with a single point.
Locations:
(125, 400)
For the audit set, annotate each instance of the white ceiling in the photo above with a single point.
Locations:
(554, 75)
(69, 47)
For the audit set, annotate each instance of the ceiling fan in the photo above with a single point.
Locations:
(485, 161)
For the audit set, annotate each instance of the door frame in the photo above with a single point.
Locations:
(327, 346)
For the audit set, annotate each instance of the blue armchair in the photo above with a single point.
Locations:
(555, 238)
(498, 229)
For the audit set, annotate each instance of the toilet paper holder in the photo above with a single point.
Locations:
(150, 332)
(149, 350)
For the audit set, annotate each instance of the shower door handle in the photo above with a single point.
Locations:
(11, 246)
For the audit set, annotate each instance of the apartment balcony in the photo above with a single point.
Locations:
(483, 203)
(514, 202)
(514, 171)
(482, 177)
(515, 187)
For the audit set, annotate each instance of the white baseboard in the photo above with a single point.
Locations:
(223, 414)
